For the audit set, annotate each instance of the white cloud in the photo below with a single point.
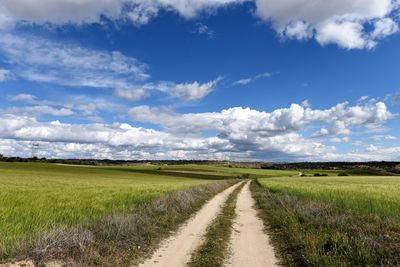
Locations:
(132, 94)
(57, 12)
(339, 22)
(23, 97)
(383, 137)
(384, 27)
(41, 60)
(254, 78)
(193, 91)
(39, 111)
(299, 30)
(80, 106)
(203, 29)
(89, 11)
(356, 115)
(240, 121)
(306, 103)
(338, 128)
(5, 75)
(346, 34)
(44, 61)
(345, 139)
(239, 133)
(371, 148)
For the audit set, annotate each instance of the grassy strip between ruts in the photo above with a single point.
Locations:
(124, 238)
(312, 233)
(215, 247)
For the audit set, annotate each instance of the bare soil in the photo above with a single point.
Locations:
(250, 245)
(176, 250)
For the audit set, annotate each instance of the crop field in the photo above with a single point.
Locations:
(370, 194)
(333, 221)
(40, 197)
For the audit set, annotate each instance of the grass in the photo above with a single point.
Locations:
(40, 198)
(369, 194)
(227, 170)
(332, 221)
(213, 251)
(126, 238)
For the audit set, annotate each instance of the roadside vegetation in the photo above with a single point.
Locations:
(125, 238)
(214, 250)
(332, 221)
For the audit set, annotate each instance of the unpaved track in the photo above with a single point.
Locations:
(176, 250)
(250, 246)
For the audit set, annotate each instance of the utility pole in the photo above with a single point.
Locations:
(34, 148)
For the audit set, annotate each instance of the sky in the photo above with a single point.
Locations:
(259, 80)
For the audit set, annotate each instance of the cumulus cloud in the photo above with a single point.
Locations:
(118, 138)
(346, 34)
(340, 22)
(89, 11)
(239, 133)
(341, 117)
(242, 122)
(190, 91)
(384, 27)
(299, 30)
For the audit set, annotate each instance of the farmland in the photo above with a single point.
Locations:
(333, 221)
(370, 194)
(40, 197)
(36, 198)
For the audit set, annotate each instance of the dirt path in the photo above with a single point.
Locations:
(176, 250)
(250, 245)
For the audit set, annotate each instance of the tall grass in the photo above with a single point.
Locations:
(37, 198)
(317, 233)
(374, 195)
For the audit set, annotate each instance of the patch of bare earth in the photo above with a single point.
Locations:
(250, 246)
(176, 250)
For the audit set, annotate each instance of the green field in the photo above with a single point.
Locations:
(332, 221)
(370, 194)
(38, 197)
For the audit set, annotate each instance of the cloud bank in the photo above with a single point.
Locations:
(236, 133)
(350, 24)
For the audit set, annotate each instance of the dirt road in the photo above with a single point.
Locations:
(250, 246)
(176, 251)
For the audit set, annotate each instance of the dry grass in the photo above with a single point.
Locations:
(122, 238)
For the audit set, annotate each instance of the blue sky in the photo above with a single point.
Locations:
(219, 79)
